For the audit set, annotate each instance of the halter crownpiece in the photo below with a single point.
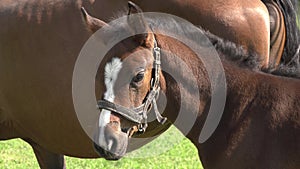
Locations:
(139, 114)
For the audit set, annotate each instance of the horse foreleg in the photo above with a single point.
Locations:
(47, 159)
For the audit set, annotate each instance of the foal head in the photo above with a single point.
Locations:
(131, 79)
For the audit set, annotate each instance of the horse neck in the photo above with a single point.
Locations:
(186, 82)
(181, 94)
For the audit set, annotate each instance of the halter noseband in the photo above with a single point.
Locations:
(139, 114)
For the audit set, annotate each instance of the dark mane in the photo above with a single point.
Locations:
(234, 52)
(250, 59)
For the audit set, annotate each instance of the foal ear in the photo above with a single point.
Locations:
(92, 23)
(138, 24)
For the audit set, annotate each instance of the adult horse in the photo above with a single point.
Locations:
(260, 126)
(39, 44)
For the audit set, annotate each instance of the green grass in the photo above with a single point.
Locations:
(169, 151)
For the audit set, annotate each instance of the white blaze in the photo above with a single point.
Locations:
(111, 72)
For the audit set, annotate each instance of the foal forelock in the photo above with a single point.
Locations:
(111, 72)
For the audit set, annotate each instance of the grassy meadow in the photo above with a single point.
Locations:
(170, 151)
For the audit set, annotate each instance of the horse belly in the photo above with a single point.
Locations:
(36, 68)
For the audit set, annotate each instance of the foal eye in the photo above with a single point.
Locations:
(139, 77)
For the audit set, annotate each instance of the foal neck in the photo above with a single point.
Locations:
(189, 71)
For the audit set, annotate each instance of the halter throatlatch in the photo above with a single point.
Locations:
(139, 114)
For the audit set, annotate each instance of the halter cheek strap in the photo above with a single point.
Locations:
(139, 114)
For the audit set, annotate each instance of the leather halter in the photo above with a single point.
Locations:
(139, 114)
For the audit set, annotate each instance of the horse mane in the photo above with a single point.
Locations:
(233, 52)
(250, 59)
(226, 49)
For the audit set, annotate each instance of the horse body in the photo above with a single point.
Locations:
(40, 42)
(37, 60)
